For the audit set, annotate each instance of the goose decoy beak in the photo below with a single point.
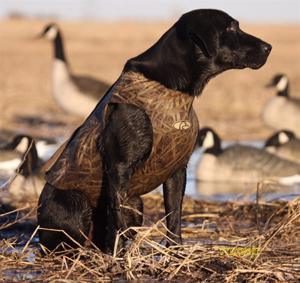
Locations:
(269, 85)
(39, 36)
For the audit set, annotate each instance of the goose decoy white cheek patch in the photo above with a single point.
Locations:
(208, 141)
(282, 84)
(51, 33)
(283, 138)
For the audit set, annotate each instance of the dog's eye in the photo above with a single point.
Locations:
(230, 29)
(234, 26)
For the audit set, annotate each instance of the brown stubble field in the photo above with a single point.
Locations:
(231, 103)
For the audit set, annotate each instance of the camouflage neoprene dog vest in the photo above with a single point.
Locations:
(78, 164)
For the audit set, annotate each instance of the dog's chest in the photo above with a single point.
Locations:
(171, 151)
(175, 127)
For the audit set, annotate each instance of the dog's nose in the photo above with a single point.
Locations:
(267, 48)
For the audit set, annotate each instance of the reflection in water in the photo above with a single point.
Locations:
(244, 191)
(223, 191)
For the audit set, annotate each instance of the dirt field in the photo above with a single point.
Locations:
(231, 102)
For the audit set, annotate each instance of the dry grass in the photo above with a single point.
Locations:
(232, 242)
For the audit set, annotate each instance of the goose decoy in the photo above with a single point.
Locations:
(74, 94)
(284, 144)
(13, 151)
(282, 111)
(241, 163)
(20, 166)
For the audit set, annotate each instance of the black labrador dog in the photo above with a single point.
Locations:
(142, 133)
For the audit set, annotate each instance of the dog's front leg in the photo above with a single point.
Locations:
(127, 143)
(174, 189)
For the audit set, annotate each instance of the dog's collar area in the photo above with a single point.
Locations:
(135, 88)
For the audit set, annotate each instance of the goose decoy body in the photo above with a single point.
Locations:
(241, 163)
(284, 144)
(282, 111)
(74, 94)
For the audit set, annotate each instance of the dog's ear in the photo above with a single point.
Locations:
(200, 31)
(206, 41)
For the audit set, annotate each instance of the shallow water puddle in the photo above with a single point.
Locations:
(224, 191)
(29, 257)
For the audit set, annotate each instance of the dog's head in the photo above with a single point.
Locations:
(200, 45)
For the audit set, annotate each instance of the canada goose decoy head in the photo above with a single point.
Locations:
(209, 140)
(50, 31)
(281, 83)
(19, 143)
(25, 145)
(53, 33)
(279, 138)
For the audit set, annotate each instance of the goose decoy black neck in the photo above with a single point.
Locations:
(281, 83)
(53, 33)
(279, 138)
(30, 163)
(59, 48)
(208, 139)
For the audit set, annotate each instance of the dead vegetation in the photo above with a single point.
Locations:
(228, 242)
